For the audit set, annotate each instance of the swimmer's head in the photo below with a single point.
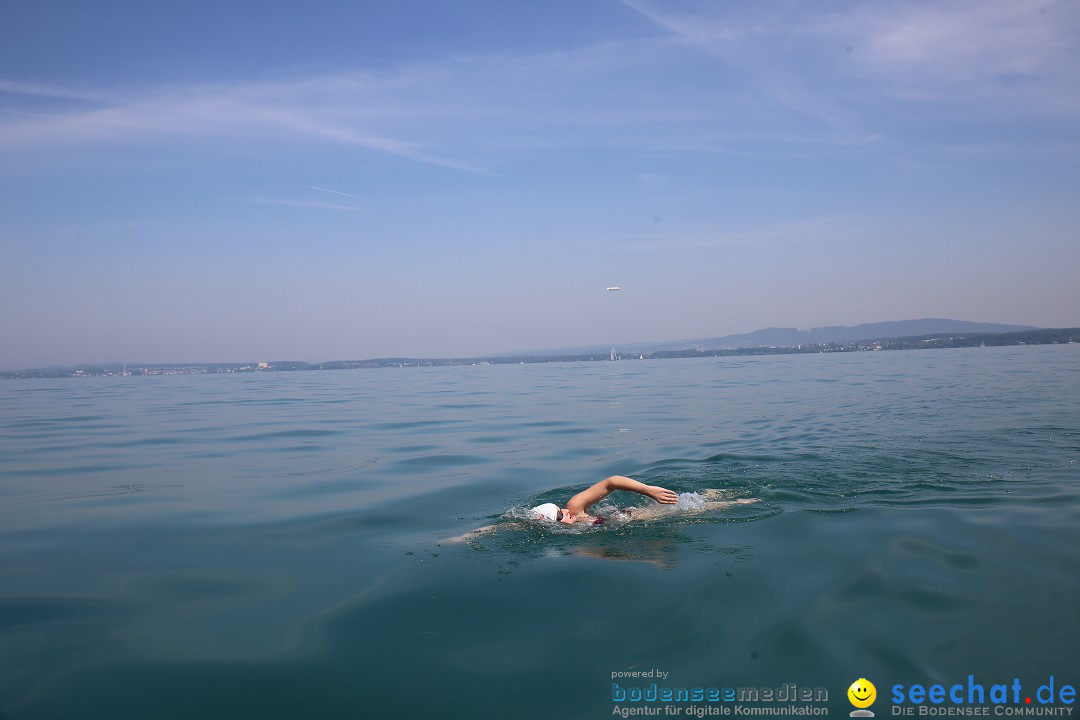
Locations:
(547, 511)
(551, 512)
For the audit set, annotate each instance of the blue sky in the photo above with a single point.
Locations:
(340, 180)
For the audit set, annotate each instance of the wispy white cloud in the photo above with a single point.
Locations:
(1021, 57)
(960, 41)
(212, 111)
(693, 27)
(714, 78)
(621, 93)
(310, 204)
(338, 192)
(49, 90)
(1017, 58)
(749, 47)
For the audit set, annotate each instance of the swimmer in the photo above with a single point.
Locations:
(577, 508)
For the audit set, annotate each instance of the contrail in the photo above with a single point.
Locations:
(338, 192)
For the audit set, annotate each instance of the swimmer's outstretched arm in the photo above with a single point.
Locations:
(480, 532)
(471, 535)
(580, 503)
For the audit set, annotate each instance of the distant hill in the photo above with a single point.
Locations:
(786, 337)
(791, 337)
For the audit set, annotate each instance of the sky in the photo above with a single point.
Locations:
(208, 181)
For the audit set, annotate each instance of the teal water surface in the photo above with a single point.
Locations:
(273, 545)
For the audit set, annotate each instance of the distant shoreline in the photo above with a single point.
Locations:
(1047, 336)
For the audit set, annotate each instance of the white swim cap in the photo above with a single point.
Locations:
(547, 511)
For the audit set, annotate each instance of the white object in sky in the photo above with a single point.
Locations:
(613, 288)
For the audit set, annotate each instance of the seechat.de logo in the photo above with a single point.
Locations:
(862, 694)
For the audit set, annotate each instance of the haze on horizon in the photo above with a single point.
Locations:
(228, 181)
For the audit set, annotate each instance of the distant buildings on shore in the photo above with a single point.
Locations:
(951, 340)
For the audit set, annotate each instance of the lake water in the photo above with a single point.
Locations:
(269, 545)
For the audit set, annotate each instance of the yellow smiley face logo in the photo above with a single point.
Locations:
(862, 693)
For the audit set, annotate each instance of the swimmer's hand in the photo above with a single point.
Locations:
(662, 495)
